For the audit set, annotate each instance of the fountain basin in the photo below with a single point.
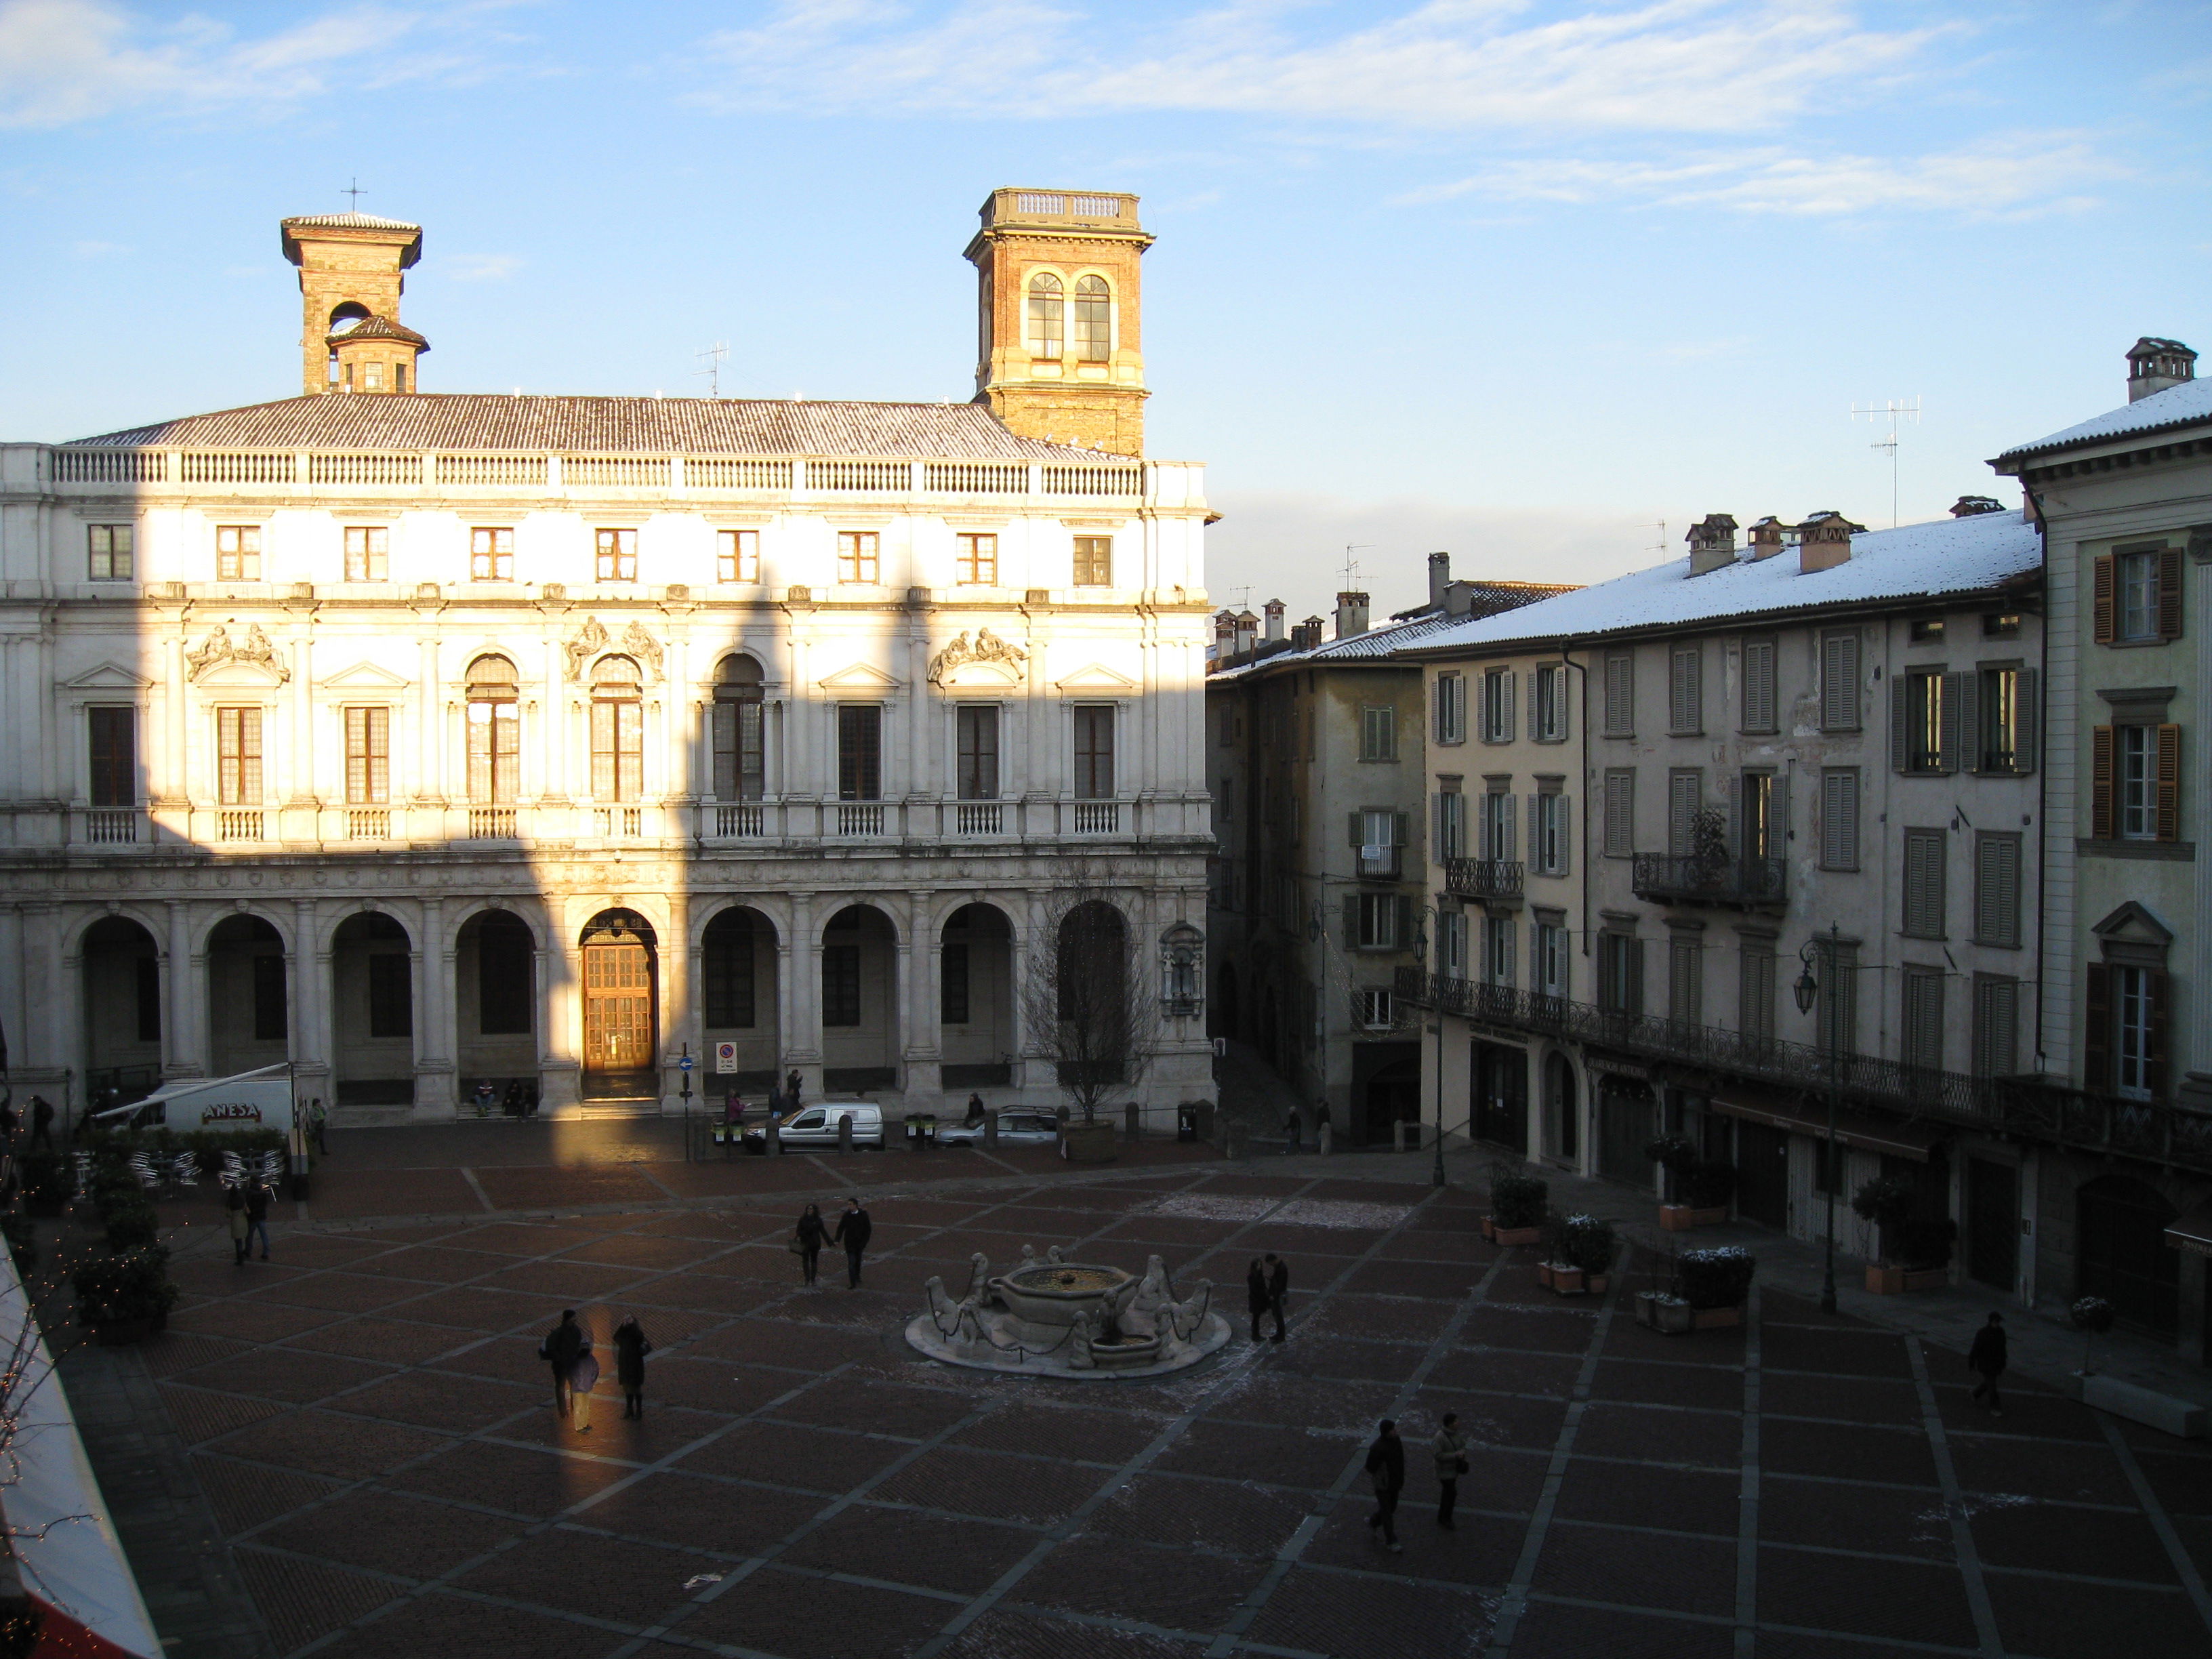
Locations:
(1057, 1293)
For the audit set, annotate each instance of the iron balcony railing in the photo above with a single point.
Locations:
(2030, 1108)
(1669, 880)
(1483, 878)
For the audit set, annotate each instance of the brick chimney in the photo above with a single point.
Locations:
(1767, 538)
(2155, 366)
(1439, 579)
(1973, 507)
(1247, 631)
(1273, 611)
(1316, 631)
(1824, 541)
(1224, 631)
(1350, 614)
(1712, 543)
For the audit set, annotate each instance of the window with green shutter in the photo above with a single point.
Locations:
(1925, 851)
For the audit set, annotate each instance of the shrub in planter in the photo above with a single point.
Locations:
(1586, 1243)
(21, 1622)
(129, 1289)
(1518, 1200)
(1709, 1184)
(1886, 1200)
(132, 1225)
(1717, 1277)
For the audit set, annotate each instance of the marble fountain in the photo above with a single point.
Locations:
(1049, 1317)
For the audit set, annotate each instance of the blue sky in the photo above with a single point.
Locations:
(1520, 280)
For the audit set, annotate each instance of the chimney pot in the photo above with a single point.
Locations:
(1767, 538)
(1970, 506)
(1439, 578)
(1273, 607)
(1712, 543)
(1350, 614)
(1824, 541)
(2156, 365)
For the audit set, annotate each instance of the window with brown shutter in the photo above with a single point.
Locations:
(1686, 715)
(2102, 795)
(2169, 593)
(1760, 705)
(1923, 1018)
(1839, 683)
(2104, 599)
(2166, 799)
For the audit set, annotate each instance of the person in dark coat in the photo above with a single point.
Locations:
(1279, 1291)
(1255, 1295)
(562, 1348)
(790, 1089)
(975, 1108)
(1386, 1467)
(42, 1123)
(812, 1234)
(631, 1347)
(234, 1204)
(853, 1230)
(1987, 1359)
(257, 1216)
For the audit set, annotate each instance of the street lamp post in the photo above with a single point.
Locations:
(1807, 990)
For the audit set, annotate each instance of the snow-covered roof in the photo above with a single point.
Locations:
(1378, 642)
(1945, 555)
(2186, 404)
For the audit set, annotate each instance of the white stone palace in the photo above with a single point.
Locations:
(426, 740)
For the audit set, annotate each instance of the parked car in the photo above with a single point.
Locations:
(817, 1126)
(1015, 1129)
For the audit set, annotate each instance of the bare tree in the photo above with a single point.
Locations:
(1087, 1002)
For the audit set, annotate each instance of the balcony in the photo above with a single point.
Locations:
(1483, 878)
(491, 823)
(1098, 818)
(2033, 1108)
(106, 826)
(1740, 883)
(979, 818)
(861, 820)
(368, 824)
(740, 823)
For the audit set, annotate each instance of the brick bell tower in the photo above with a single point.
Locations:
(1058, 351)
(351, 267)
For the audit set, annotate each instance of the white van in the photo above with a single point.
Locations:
(816, 1125)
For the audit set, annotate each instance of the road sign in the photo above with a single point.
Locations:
(686, 1063)
(726, 1056)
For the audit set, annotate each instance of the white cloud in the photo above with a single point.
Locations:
(480, 267)
(100, 249)
(1668, 66)
(2009, 175)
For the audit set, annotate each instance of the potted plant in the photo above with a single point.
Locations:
(125, 1298)
(1915, 1250)
(1581, 1252)
(1516, 1209)
(1710, 1289)
(132, 1224)
(2092, 1316)
(48, 1184)
(1678, 1157)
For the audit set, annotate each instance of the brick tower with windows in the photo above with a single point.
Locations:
(352, 269)
(1058, 348)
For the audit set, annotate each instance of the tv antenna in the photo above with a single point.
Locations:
(1351, 562)
(712, 356)
(1661, 547)
(354, 192)
(1893, 409)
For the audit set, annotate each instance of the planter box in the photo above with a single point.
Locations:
(1511, 1236)
(1087, 1143)
(1567, 1281)
(1885, 1280)
(1682, 1219)
(1673, 1317)
(1713, 1319)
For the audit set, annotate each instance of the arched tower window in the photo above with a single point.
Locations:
(739, 771)
(495, 732)
(617, 732)
(1094, 320)
(1048, 316)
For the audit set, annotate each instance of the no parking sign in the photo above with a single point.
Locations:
(726, 1056)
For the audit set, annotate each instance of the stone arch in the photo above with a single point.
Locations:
(249, 993)
(372, 1011)
(976, 996)
(861, 1027)
(739, 999)
(119, 969)
(621, 990)
(496, 998)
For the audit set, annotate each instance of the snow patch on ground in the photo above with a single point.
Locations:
(1210, 1207)
(1340, 1212)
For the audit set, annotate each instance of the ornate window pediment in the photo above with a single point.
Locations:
(1096, 676)
(982, 659)
(364, 677)
(109, 676)
(225, 659)
(859, 676)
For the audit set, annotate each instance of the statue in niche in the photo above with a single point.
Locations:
(591, 638)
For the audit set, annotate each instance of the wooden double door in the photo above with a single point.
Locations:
(619, 1039)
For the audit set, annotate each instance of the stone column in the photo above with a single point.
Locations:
(921, 1047)
(1028, 1076)
(64, 972)
(436, 1040)
(800, 988)
(680, 1015)
(560, 1007)
(307, 962)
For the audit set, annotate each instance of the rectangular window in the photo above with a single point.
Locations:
(1925, 853)
(1378, 732)
(859, 555)
(1550, 831)
(736, 556)
(1922, 1032)
(238, 756)
(391, 1004)
(1379, 920)
(976, 742)
(2139, 595)
(2135, 595)
(1685, 793)
(237, 552)
(726, 971)
(1374, 1010)
(1452, 944)
(841, 985)
(2138, 784)
(1550, 959)
(1917, 743)
(495, 753)
(1498, 717)
(1762, 707)
(1836, 1011)
(1839, 819)
(1839, 683)
(977, 558)
(368, 757)
(1620, 693)
(615, 556)
(1686, 980)
(1094, 753)
(1754, 1012)
(1551, 711)
(109, 552)
(506, 973)
(2006, 704)
(1620, 974)
(1379, 834)
(1686, 688)
(860, 752)
(491, 554)
(1619, 813)
(1225, 795)
(1756, 829)
(2135, 778)
(373, 376)
(269, 998)
(1996, 888)
(2000, 625)
(1997, 1025)
(2136, 999)
(113, 747)
(617, 749)
(1498, 950)
(366, 548)
(1925, 630)
(739, 752)
(1451, 820)
(1094, 561)
(1451, 708)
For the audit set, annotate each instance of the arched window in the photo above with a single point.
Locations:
(1048, 316)
(735, 738)
(617, 732)
(495, 732)
(1094, 320)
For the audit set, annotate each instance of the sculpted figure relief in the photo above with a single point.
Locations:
(642, 645)
(590, 639)
(986, 647)
(218, 648)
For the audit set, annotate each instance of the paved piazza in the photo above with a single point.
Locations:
(374, 1432)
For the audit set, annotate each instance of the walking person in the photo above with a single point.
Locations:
(319, 1122)
(257, 1216)
(808, 1240)
(631, 1347)
(975, 1109)
(1255, 1295)
(1279, 1290)
(1386, 1467)
(42, 1123)
(1987, 1360)
(791, 1088)
(853, 1230)
(1450, 1447)
(564, 1345)
(234, 1204)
